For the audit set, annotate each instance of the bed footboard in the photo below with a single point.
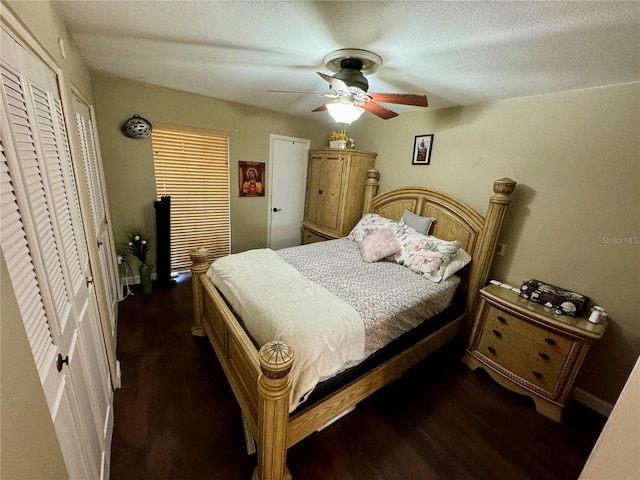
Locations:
(260, 380)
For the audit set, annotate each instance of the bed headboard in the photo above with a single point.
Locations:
(455, 220)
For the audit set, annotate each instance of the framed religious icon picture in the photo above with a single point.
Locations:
(251, 179)
(422, 149)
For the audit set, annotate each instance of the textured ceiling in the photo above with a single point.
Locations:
(457, 53)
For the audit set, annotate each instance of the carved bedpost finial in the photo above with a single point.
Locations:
(504, 187)
(199, 256)
(274, 387)
(276, 359)
(199, 266)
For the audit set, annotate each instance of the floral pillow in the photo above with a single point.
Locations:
(368, 224)
(378, 244)
(424, 254)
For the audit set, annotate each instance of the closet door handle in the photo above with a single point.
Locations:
(61, 361)
(276, 209)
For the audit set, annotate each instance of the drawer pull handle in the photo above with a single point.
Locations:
(536, 374)
(497, 333)
(501, 319)
(550, 341)
(543, 356)
(491, 350)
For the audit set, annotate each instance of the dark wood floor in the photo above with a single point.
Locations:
(175, 417)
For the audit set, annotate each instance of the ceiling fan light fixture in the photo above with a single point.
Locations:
(344, 112)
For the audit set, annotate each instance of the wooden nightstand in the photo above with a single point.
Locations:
(528, 349)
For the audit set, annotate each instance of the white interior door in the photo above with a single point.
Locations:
(42, 240)
(101, 228)
(288, 179)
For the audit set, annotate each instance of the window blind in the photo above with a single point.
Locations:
(192, 167)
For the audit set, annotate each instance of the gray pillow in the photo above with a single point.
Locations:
(418, 223)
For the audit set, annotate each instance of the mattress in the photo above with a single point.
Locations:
(390, 298)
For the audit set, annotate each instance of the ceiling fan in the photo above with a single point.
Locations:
(348, 87)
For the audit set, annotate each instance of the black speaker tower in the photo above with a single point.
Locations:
(163, 243)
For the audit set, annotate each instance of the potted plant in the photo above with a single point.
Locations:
(338, 140)
(136, 242)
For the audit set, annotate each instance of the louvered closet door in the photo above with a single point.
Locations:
(101, 228)
(44, 246)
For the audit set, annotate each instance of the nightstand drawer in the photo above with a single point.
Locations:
(537, 334)
(536, 352)
(512, 352)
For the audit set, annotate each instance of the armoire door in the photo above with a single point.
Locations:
(314, 185)
(44, 246)
(324, 189)
(334, 172)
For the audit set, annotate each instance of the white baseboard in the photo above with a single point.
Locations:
(117, 384)
(593, 402)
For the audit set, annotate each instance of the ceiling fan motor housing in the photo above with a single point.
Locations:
(350, 73)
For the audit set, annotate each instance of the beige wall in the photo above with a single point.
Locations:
(128, 163)
(615, 454)
(576, 156)
(28, 441)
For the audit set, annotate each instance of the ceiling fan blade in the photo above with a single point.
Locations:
(379, 110)
(321, 108)
(337, 84)
(400, 98)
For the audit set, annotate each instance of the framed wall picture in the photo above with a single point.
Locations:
(422, 149)
(251, 179)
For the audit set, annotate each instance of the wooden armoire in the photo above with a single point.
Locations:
(335, 192)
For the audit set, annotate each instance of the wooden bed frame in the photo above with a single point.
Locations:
(260, 378)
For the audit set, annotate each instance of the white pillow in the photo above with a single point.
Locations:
(418, 223)
(457, 262)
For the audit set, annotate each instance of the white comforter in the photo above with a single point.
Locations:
(276, 302)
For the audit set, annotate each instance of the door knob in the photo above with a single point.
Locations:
(276, 209)
(61, 361)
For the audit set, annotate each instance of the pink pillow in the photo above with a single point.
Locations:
(378, 244)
